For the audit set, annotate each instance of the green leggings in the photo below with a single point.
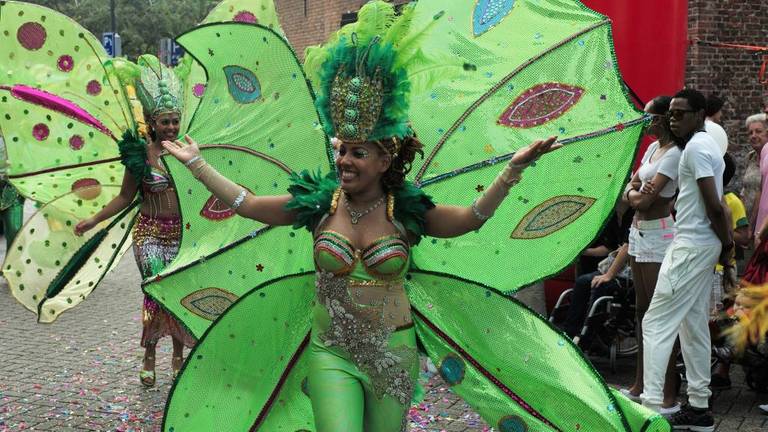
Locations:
(342, 397)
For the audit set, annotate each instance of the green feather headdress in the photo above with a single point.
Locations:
(159, 89)
(360, 76)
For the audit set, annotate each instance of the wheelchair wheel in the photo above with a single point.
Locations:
(623, 345)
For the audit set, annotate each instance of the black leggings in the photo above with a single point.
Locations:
(582, 298)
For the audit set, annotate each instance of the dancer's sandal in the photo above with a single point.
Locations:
(176, 363)
(147, 377)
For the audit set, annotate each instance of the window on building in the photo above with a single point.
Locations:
(348, 18)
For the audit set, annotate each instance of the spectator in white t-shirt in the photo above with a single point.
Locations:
(680, 303)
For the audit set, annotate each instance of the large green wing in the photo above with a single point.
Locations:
(492, 76)
(258, 123)
(511, 366)
(61, 114)
(49, 269)
(247, 11)
(248, 370)
(60, 111)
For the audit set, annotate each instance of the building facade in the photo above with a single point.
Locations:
(730, 72)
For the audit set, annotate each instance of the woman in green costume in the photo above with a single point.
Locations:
(363, 356)
(157, 229)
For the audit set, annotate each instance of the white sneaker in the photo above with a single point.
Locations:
(667, 412)
(763, 408)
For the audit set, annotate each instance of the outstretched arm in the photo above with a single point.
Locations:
(269, 210)
(453, 221)
(119, 203)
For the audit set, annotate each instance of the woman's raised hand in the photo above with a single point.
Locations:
(533, 151)
(84, 225)
(184, 151)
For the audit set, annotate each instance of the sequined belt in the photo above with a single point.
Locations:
(387, 296)
(163, 228)
(363, 316)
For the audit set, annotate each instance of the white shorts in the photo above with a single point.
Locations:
(649, 240)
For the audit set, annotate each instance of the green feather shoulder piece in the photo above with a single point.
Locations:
(411, 204)
(133, 154)
(312, 195)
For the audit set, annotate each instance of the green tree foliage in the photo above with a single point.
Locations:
(140, 23)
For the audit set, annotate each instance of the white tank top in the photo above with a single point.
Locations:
(667, 165)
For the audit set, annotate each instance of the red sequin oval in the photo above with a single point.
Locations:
(246, 17)
(65, 63)
(540, 104)
(31, 35)
(93, 87)
(76, 142)
(40, 131)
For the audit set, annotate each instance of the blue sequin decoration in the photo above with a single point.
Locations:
(488, 13)
(452, 369)
(243, 84)
(512, 424)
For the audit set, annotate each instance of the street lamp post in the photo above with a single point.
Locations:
(112, 15)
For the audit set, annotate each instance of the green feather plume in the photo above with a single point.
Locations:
(126, 71)
(313, 193)
(374, 19)
(133, 154)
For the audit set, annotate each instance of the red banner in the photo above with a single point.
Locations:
(651, 39)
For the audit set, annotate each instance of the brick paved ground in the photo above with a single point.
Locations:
(80, 373)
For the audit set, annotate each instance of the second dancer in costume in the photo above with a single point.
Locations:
(157, 230)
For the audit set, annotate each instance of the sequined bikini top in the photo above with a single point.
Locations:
(156, 182)
(385, 258)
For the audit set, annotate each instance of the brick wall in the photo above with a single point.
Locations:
(322, 18)
(731, 73)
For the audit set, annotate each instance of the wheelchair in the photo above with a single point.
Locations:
(610, 323)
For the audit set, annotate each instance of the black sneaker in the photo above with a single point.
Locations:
(692, 419)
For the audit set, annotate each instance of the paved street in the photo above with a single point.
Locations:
(81, 373)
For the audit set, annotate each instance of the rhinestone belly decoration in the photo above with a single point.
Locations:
(361, 332)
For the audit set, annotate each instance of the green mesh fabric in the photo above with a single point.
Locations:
(464, 87)
(258, 123)
(510, 364)
(68, 66)
(248, 371)
(46, 244)
(248, 11)
(487, 78)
